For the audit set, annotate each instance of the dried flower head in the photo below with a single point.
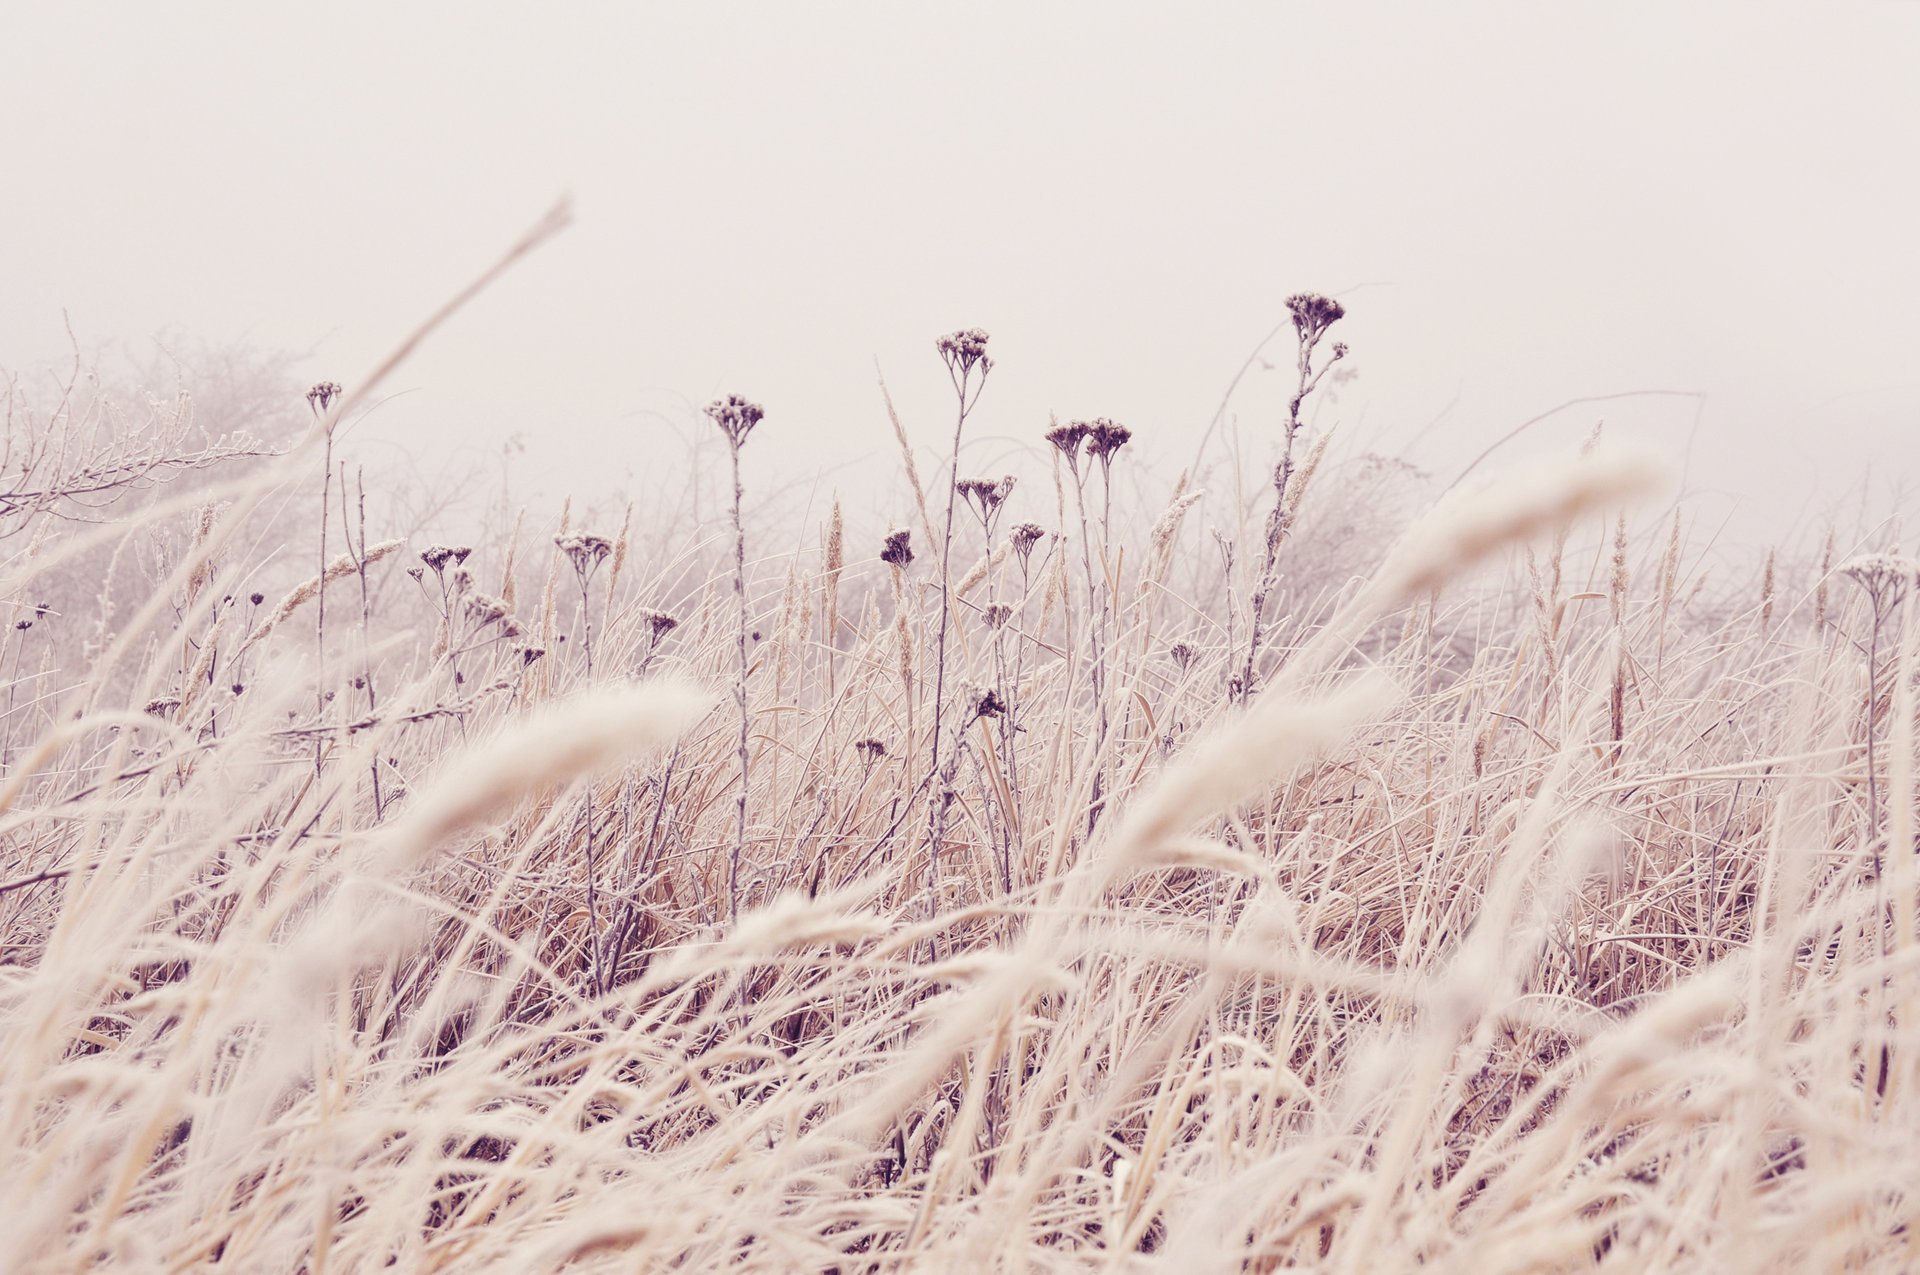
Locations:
(735, 416)
(1025, 537)
(321, 396)
(659, 623)
(1105, 437)
(896, 551)
(437, 557)
(1313, 314)
(997, 614)
(1182, 654)
(1885, 576)
(1067, 438)
(983, 701)
(584, 551)
(870, 750)
(528, 654)
(964, 350)
(986, 495)
(1339, 349)
(163, 705)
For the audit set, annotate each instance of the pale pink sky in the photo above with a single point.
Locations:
(1520, 204)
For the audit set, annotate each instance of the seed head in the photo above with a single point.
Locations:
(735, 416)
(1885, 576)
(1105, 437)
(1025, 537)
(585, 551)
(986, 494)
(659, 623)
(1313, 314)
(870, 750)
(896, 551)
(1182, 654)
(965, 349)
(1067, 438)
(997, 614)
(321, 396)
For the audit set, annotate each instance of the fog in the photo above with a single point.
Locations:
(1519, 206)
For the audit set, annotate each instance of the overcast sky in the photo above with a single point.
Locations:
(1519, 205)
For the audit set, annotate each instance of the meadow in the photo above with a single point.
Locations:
(1042, 882)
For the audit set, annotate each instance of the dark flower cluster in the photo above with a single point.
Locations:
(321, 396)
(1105, 437)
(1025, 537)
(439, 556)
(986, 494)
(735, 416)
(896, 552)
(1313, 314)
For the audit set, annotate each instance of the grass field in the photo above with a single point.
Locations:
(1041, 883)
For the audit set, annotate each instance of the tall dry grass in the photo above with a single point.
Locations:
(1521, 919)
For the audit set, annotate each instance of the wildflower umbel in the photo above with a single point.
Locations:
(585, 552)
(321, 396)
(1105, 437)
(735, 416)
(964, 350)
(1313, 314)
(1884, 576)
(1067, 439)
(986, 495)
(1025, 537)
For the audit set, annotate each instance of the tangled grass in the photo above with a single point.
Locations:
(1468, 927)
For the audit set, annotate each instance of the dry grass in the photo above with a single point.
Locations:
(1509, 925)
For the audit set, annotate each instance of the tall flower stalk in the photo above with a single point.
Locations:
(1886, 578)
(965, 354)
(1313, 314)
(736, 418)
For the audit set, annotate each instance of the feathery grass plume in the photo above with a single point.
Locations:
(834, 553)
(1766, 591)
(1826, 576)
(1669, 582)
(339, 569)
(1617, 608)
(1467, 524)
(736, 418)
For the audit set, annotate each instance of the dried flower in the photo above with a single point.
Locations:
(986, 494)
(965, 349)
(1313, 314)
(256, 597)
(528, 654)
(163, 705)
(585, 551)
(997, 614)
(1339, 349)
(1885, 576)
(1182, 654)
(735, 416)
(659, 623)
(1025, 537)
(1067, 438)
(870, 750)
(1105, 437)
(321, 396)
(896, 552)
(437, 557)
